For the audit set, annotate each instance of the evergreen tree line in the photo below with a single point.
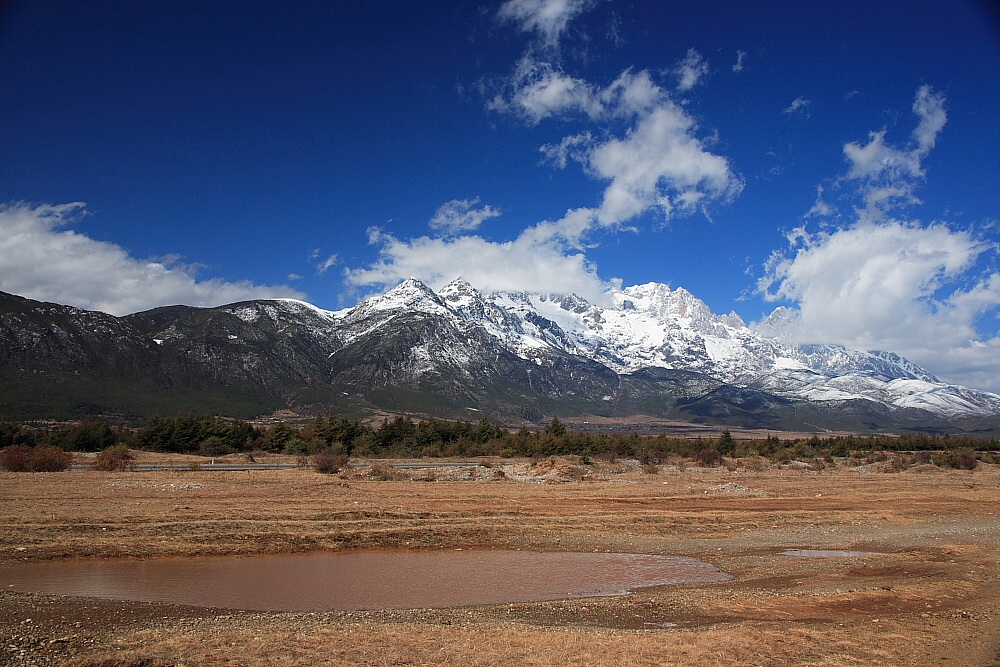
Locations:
(404, 437)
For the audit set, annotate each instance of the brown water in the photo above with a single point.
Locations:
(360, 580)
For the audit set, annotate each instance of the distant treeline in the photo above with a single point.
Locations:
(404, 437)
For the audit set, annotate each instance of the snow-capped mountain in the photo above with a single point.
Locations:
(653, 326)
(515, 356)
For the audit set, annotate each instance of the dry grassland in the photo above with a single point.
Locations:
(931, 595)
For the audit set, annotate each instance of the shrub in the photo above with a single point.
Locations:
(15, 458)
(46, 458)
(383, 472)
(708, 457)
(117, 457)
(961, 459)
(40, 458)
(329, 463)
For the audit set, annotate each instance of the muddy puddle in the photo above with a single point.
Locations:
(361, 580)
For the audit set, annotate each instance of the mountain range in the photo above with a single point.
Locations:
(515, 357)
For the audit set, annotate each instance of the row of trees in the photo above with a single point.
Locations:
(405, 437)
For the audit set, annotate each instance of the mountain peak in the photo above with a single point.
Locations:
(458, 286)
(411, 294)
(666, 304)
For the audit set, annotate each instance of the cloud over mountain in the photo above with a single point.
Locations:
(885, 281)
(41, 258)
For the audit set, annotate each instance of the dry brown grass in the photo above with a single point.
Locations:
(931, 596)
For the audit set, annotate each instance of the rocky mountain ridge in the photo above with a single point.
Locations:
(514, 356)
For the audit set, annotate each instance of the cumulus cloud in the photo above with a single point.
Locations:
(462, 215)
(910, 288)
(885, 282)
(658, 164)
(40, 258)
(538, 90)
(878, 285)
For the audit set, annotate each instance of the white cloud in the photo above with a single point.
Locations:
(538, 90)
(879, 161)
(929, 107)
(799, 105)
(690, 71)
(41, 259)
(876, 285)
(887, 283)
(660, 164)
(462, 215)
(526, 263)
(820, 209)
(908, 288)
(887, 176)
(546, 18)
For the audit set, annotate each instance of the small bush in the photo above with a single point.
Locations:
(960, 459)
(383, 472)
(708, 457)
(113, 458)
(329, 463)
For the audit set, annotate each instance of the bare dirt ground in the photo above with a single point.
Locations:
(930, 594)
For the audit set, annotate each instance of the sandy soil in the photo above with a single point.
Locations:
(930, 594)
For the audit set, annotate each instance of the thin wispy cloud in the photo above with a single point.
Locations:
(887, 176)
(327, 264)
(42, 258)
(740, 63)
(799, 105)
(547, 19)
(691, 71)
(462, 215)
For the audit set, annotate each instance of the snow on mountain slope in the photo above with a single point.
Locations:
(654, 326)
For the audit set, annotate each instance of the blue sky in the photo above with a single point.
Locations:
(841, 162)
